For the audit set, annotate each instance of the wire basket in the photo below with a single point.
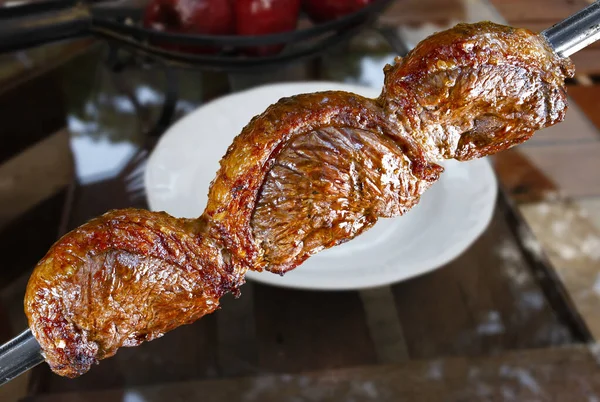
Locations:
(38, 23)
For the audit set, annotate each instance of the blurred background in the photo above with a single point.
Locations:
(514, 317)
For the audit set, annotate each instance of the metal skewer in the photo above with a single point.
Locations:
(19, 355)
(575, 32)
(567, 37)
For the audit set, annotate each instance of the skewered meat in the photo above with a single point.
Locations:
(311, 172)
(122, 279)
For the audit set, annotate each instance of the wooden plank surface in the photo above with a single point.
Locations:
(237, 350)
(588, 100)
(384, 324)
(544, 173)
(30, 112)
(521, 179)
(20, 67)
(587, 61)
(34, 175)
(416, 12)
(551, 181)
(561, 374)
(25, 240)
(485, 301)
(573, 246)
(302, 330)
(538, 10)
(573, 167)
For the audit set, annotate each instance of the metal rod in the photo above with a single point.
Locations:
(19, 355)
(576, 32)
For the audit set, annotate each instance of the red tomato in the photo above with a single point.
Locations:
(262, 17)
(190, 17)
(327, 10)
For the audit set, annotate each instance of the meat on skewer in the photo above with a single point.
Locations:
(312, 171)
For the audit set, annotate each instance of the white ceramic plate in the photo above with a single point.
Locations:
(450, 216)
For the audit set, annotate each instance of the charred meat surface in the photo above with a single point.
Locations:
(328, 186)
(124, 278)
(263, 144)
(477, 89)
(312, 171)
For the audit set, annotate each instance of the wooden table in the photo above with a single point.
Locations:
(498, 323)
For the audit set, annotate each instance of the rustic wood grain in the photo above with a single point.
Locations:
(31, 235)
(521, 179)
(573, 167)
(237, 346)
(537, 10)
(384, 326)
(485, 301)
(34, 175)
(301, 330)
(572, 243)
(29, 112)
(416, 12)
(588, 100)
(560, 374)
(587, 61)
(20, 67)
(592, 207)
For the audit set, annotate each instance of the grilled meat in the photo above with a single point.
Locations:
(477, 89)
(311, 172)
(124, 278)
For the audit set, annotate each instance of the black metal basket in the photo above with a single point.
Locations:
(38, 23)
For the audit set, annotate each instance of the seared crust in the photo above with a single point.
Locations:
(311, 172)
(327, 187)
(477, 89)
(254, 152)
(124, 278)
